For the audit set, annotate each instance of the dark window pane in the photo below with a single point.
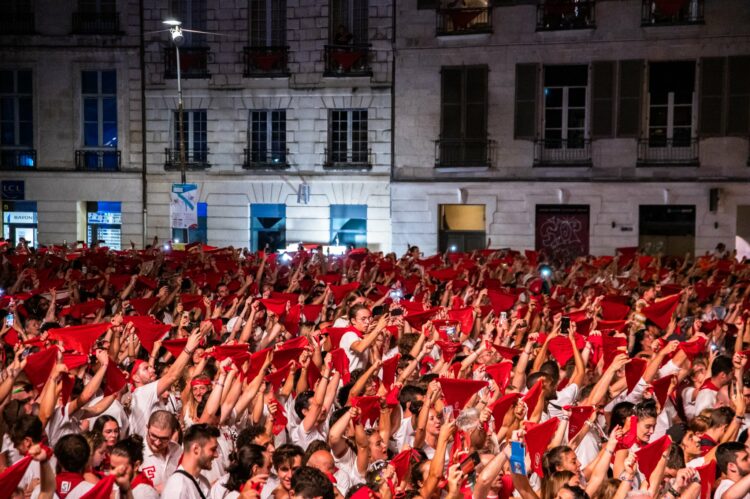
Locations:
(658, 116)
(7, 108)
(24, 82)
(91, 134)
(6, 82)
(553, 97)
(577, 97)
(25, 110)
(90, 110)
(7, 133)
(26, 134)
(109, 82)
(89, 82)
(576, 118)
(553, 118)
(451, 85)
(110, 134)
(109, 109)
(683, 116)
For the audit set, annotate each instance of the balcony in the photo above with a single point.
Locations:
(667, 152)
(348, 160)
(98, 160)
(464, 21)
(265, 62)
(193, 62)
(194, 160)
(265, 160)
(561, 152)
(450, 153)
(671, 12)
(96, 23)
(16, 23)
(556, 15)
(17, 159)
(347, 60)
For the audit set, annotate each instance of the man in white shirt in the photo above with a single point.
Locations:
(199, 449)
(161, 456)
(733, 461)
(313, 408)
(357, 343)
(148, 390)
(721, 374)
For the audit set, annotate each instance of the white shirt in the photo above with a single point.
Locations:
(706, 399)
(182, 487)
(723, 487)
(348, 464)
(403, 435)
(158, 468)
(145, 401)
(566, 396)
(116, 410)
(77, 492)
(303, 438)
(219, 491)
(356, 360)
(62, 423)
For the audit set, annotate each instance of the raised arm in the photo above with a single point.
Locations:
(175, 370)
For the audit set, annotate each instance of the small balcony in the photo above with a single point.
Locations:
(265, 160)
(459, 153)
(96, 23)
(464, 21)
(557, 15)
(16, 23)
(348, 160)
(668, 152)
(671, 12)
(347, 60)
(194, 160)
(98, 160)
(265, 62)
(17, 159)
(193, 62)
(561, 152)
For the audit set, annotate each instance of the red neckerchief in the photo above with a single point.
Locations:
(141, 479)
(709, 385)
(66, 482)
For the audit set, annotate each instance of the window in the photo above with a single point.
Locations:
(348, 22)
(197, 233)
(267, 23)
(267, 227)
(99, 89)
(463, 122)
(670, 12)
(104, 223)
(16, 119)
(462, 227)
(267, 138)
(16, 17)
(349, 225)
(195, 137)
(457, 17)
(348, 137)
(565, 106)
(20, 221)
(670, 93)
(96, 17)
(565, 14)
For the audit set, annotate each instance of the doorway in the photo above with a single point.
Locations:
(462, 227)
(669, 230)
(20, 221)
(562, 231)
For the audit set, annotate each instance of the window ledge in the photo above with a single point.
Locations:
(461, 169)
(348, 166)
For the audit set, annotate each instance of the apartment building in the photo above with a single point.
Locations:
(285, 125)
(572, 126)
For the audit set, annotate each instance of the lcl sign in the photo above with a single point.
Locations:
(13, 190)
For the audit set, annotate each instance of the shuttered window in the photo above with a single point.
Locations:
(527, 76)
(738, 119)
(712, 98)
(603, 99)
(629, 98)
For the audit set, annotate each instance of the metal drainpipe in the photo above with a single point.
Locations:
(144, 180)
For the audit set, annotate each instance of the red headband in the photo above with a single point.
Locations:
(200, 382)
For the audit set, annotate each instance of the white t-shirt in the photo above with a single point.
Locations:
(182, 487)
(116, 410)
(566, 396)
(62, 423)
(403, 435)
(145, 401)
(303, 438)
(723, 487)
(348, 464)
(76, 493)
(356, 360)
(158, 468)
(706, 399)
(219, 491)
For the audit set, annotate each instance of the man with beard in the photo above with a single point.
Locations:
(733, 462)
(199, 449)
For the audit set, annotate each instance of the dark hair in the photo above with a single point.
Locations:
(27, 426)
(410, 394)
(102, 420)
(646, 409)
(356, 308)
(249, 434)
(554, 458)
(286, 454)
(130, 447)
(303, 402)
(578, 492)
(72, 453)
(676, 458)
(551, 369)
(532, 378)
(163, 419)
(199, 433)
(241, 468)
(620, 413)
(721, 364)
(312, 448)
(310, 482)
(721, 416)
(726, 453)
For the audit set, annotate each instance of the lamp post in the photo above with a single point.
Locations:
(177, 38)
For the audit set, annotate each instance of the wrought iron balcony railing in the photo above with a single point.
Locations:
(266, 61)
(193, 62)
(671, 12)
(464, 152)
(194, 160)
(16, 23)
(265, 160)
(17, 158)
(96, 23)
(105, 160)
(658, 151)
(554, 15)
(347, 60)
(464, 21)
(348, 160)
(561, 152)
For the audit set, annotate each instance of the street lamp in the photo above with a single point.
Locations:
(177, 38)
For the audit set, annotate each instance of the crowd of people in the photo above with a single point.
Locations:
(202, 372)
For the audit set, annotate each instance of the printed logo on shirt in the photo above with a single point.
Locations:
(65, 487)
(150, 472)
